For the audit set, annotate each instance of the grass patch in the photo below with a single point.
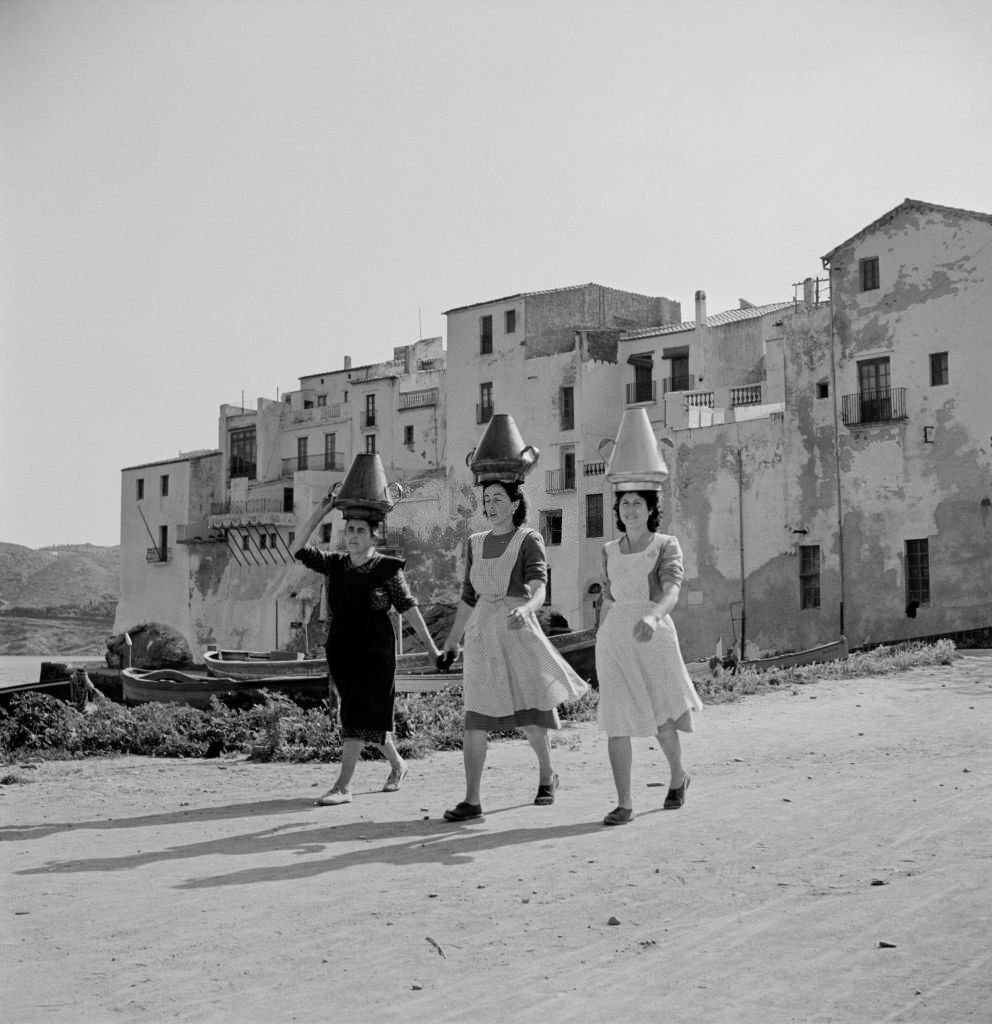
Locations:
(41, 726)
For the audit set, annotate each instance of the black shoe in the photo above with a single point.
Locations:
(676, 797)
(546, 794)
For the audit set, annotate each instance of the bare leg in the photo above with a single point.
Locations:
(391, 754)
(474, 745)
(537, 737)
(351, 751)
(671, 747)
(621, 759)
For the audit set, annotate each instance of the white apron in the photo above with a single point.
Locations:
(509, 670)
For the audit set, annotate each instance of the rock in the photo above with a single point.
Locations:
(154, 645)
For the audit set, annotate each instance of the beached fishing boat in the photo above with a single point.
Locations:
(414, 672)
(229, 664)
(196, 687)
(836, 650)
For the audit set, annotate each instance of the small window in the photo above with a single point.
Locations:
(263, 542)
(485, 335)
(594, 515)
(918, 571)
(321, 401)
(408, 436)
(165, 485)
(510, 321)
(139, 491)
(325, 533)
(288, 399)
(370, 444)
(307, 403)
(823, 389)
(484, 410)
(290, 538)
(246, 542)
(868, 272)
(551, 527)
(566, 408)
(809, 575)
(163, 542)
(287, 499)
(302, 457)
(345, 398)
(938, 369)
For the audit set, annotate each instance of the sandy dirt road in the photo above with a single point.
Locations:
(822, 823)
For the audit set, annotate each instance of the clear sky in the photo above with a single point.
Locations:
(206, 199)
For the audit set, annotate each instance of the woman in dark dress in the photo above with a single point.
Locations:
(362, 585)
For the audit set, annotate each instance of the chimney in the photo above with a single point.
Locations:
(809, 299)
(700, 308)
(347, 362)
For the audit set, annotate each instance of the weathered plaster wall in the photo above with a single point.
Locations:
(935, 296)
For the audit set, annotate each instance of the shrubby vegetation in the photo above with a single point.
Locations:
(38, 725)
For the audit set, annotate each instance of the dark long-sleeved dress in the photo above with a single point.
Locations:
(361, 645)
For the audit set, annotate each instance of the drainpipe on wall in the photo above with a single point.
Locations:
(840, 509)
(740, 530)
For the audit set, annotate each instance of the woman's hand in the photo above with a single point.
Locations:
(516, 617)
(645, 628)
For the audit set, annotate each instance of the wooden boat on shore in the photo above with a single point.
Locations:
(836, 650)
(196, 687)
(229, 664)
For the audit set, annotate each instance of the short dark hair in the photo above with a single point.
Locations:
(374, 525)
(514, 493)
(653, 499)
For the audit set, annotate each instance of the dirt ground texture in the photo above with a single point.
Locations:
(831, 865)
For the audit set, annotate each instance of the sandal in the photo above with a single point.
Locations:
(332, 798)
(464, 812)
(546, 794)
(395, 779)
(619, 816)
(676, 797)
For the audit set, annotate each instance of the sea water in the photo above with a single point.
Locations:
(26, 668)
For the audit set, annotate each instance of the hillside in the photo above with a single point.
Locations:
(57, 600)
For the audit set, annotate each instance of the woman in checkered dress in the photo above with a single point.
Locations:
(514, 678)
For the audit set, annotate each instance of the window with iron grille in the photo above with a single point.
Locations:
(165, 485)
(809, 575)
(485, 335)
(938, 369)
(594, 515)
(551, 526)
(566, 408)
(918, 571)
(868, 272)
(330, 450)
(302, 443)
(370, 444)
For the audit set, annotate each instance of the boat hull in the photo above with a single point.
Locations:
(835, 651)
(196, 689)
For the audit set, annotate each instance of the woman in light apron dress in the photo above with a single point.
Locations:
(513, 677)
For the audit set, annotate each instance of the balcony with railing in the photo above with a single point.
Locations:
(368, 420)
(332, 462)
(558, 480)
(746, 394)
(699, 399)
(641, 392)
(483, 413)
(418, 399)
(158, 555)
(683, 382)
(875, 405)
(593, 468)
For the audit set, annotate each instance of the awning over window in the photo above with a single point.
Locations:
(679, 352)
(644, 359)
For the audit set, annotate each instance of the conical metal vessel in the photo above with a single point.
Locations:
(502, 454)
(364, 492)
(636, 462)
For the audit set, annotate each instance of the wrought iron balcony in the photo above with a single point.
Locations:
(483, 413)
(158, 555)
(684, 382)
(558, 480)
(368, 420)
(593, 468)
(639, 391)
(876, 405)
